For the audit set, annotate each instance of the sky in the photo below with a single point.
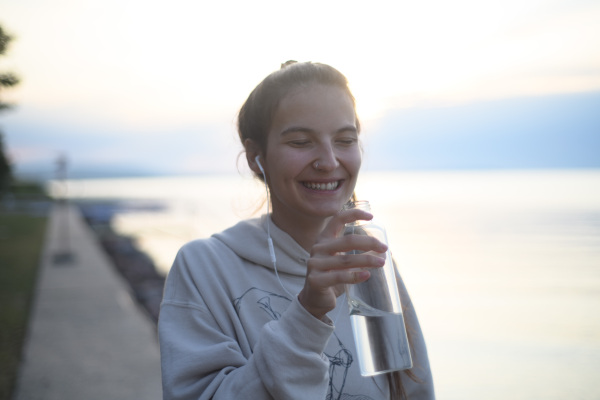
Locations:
(138, 87)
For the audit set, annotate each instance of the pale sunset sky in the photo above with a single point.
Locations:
(125, 87)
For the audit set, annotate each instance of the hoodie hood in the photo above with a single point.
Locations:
(248, 239)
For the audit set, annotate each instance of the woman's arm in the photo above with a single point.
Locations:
(202, 361)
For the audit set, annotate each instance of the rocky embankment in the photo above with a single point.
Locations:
(136, 267)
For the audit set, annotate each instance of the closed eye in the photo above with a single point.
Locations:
(299, 143)
(347, 141)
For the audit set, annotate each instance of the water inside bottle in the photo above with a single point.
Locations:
(380, 339)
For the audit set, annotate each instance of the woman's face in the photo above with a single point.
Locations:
(313, 154)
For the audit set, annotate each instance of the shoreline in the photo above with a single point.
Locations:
(135, 266)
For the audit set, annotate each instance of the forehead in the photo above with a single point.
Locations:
(316, 107)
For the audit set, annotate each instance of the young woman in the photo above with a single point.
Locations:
(243, 318)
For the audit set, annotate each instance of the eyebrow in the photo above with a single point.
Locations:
(292, 129)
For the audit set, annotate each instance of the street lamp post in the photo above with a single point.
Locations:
(63, 255)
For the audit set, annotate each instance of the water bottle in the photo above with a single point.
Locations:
(376, 310)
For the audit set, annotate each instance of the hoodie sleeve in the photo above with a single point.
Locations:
(201, 361)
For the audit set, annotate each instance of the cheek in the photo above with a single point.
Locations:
(354, 161)
(359, 159)
(282, 167)
(287, 160)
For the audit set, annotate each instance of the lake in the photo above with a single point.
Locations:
(503, 266)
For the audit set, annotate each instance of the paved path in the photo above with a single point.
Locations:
(87, 339)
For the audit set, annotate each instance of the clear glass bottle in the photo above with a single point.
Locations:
(376, 310)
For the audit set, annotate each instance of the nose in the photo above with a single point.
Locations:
(326, 160)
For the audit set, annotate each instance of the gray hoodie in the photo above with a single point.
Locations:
(229, 330)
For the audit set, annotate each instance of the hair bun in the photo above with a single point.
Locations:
(288, 63)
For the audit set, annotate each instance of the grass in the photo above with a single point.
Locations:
(21, 239)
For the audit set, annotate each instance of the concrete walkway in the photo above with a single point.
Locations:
(87, 339)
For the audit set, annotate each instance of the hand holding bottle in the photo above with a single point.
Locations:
(331, 267)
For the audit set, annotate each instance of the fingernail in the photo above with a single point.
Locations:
(362, 276)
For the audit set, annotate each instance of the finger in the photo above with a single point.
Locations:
(360, 243)
(343, 244)
(336, 224)
(334, 278)
(347, 262)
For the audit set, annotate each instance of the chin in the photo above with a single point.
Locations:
(329, 209)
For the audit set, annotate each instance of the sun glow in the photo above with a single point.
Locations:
(189, 59)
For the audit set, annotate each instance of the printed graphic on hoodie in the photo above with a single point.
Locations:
(274, 305)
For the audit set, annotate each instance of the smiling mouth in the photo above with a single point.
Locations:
(329, 186)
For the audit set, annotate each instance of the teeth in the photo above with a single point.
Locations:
(322, 186)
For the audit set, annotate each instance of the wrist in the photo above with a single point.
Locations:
(314, 311)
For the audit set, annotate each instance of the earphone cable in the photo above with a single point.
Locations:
(269, 240)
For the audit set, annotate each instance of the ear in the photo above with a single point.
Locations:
(253, 150)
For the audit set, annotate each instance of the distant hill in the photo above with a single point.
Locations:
(44, 171)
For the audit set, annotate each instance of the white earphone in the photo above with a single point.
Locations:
(260, 167)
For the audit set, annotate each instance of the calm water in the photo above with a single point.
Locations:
(503, 267)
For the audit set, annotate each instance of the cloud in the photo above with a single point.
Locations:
(560, 131)
(109, 148)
